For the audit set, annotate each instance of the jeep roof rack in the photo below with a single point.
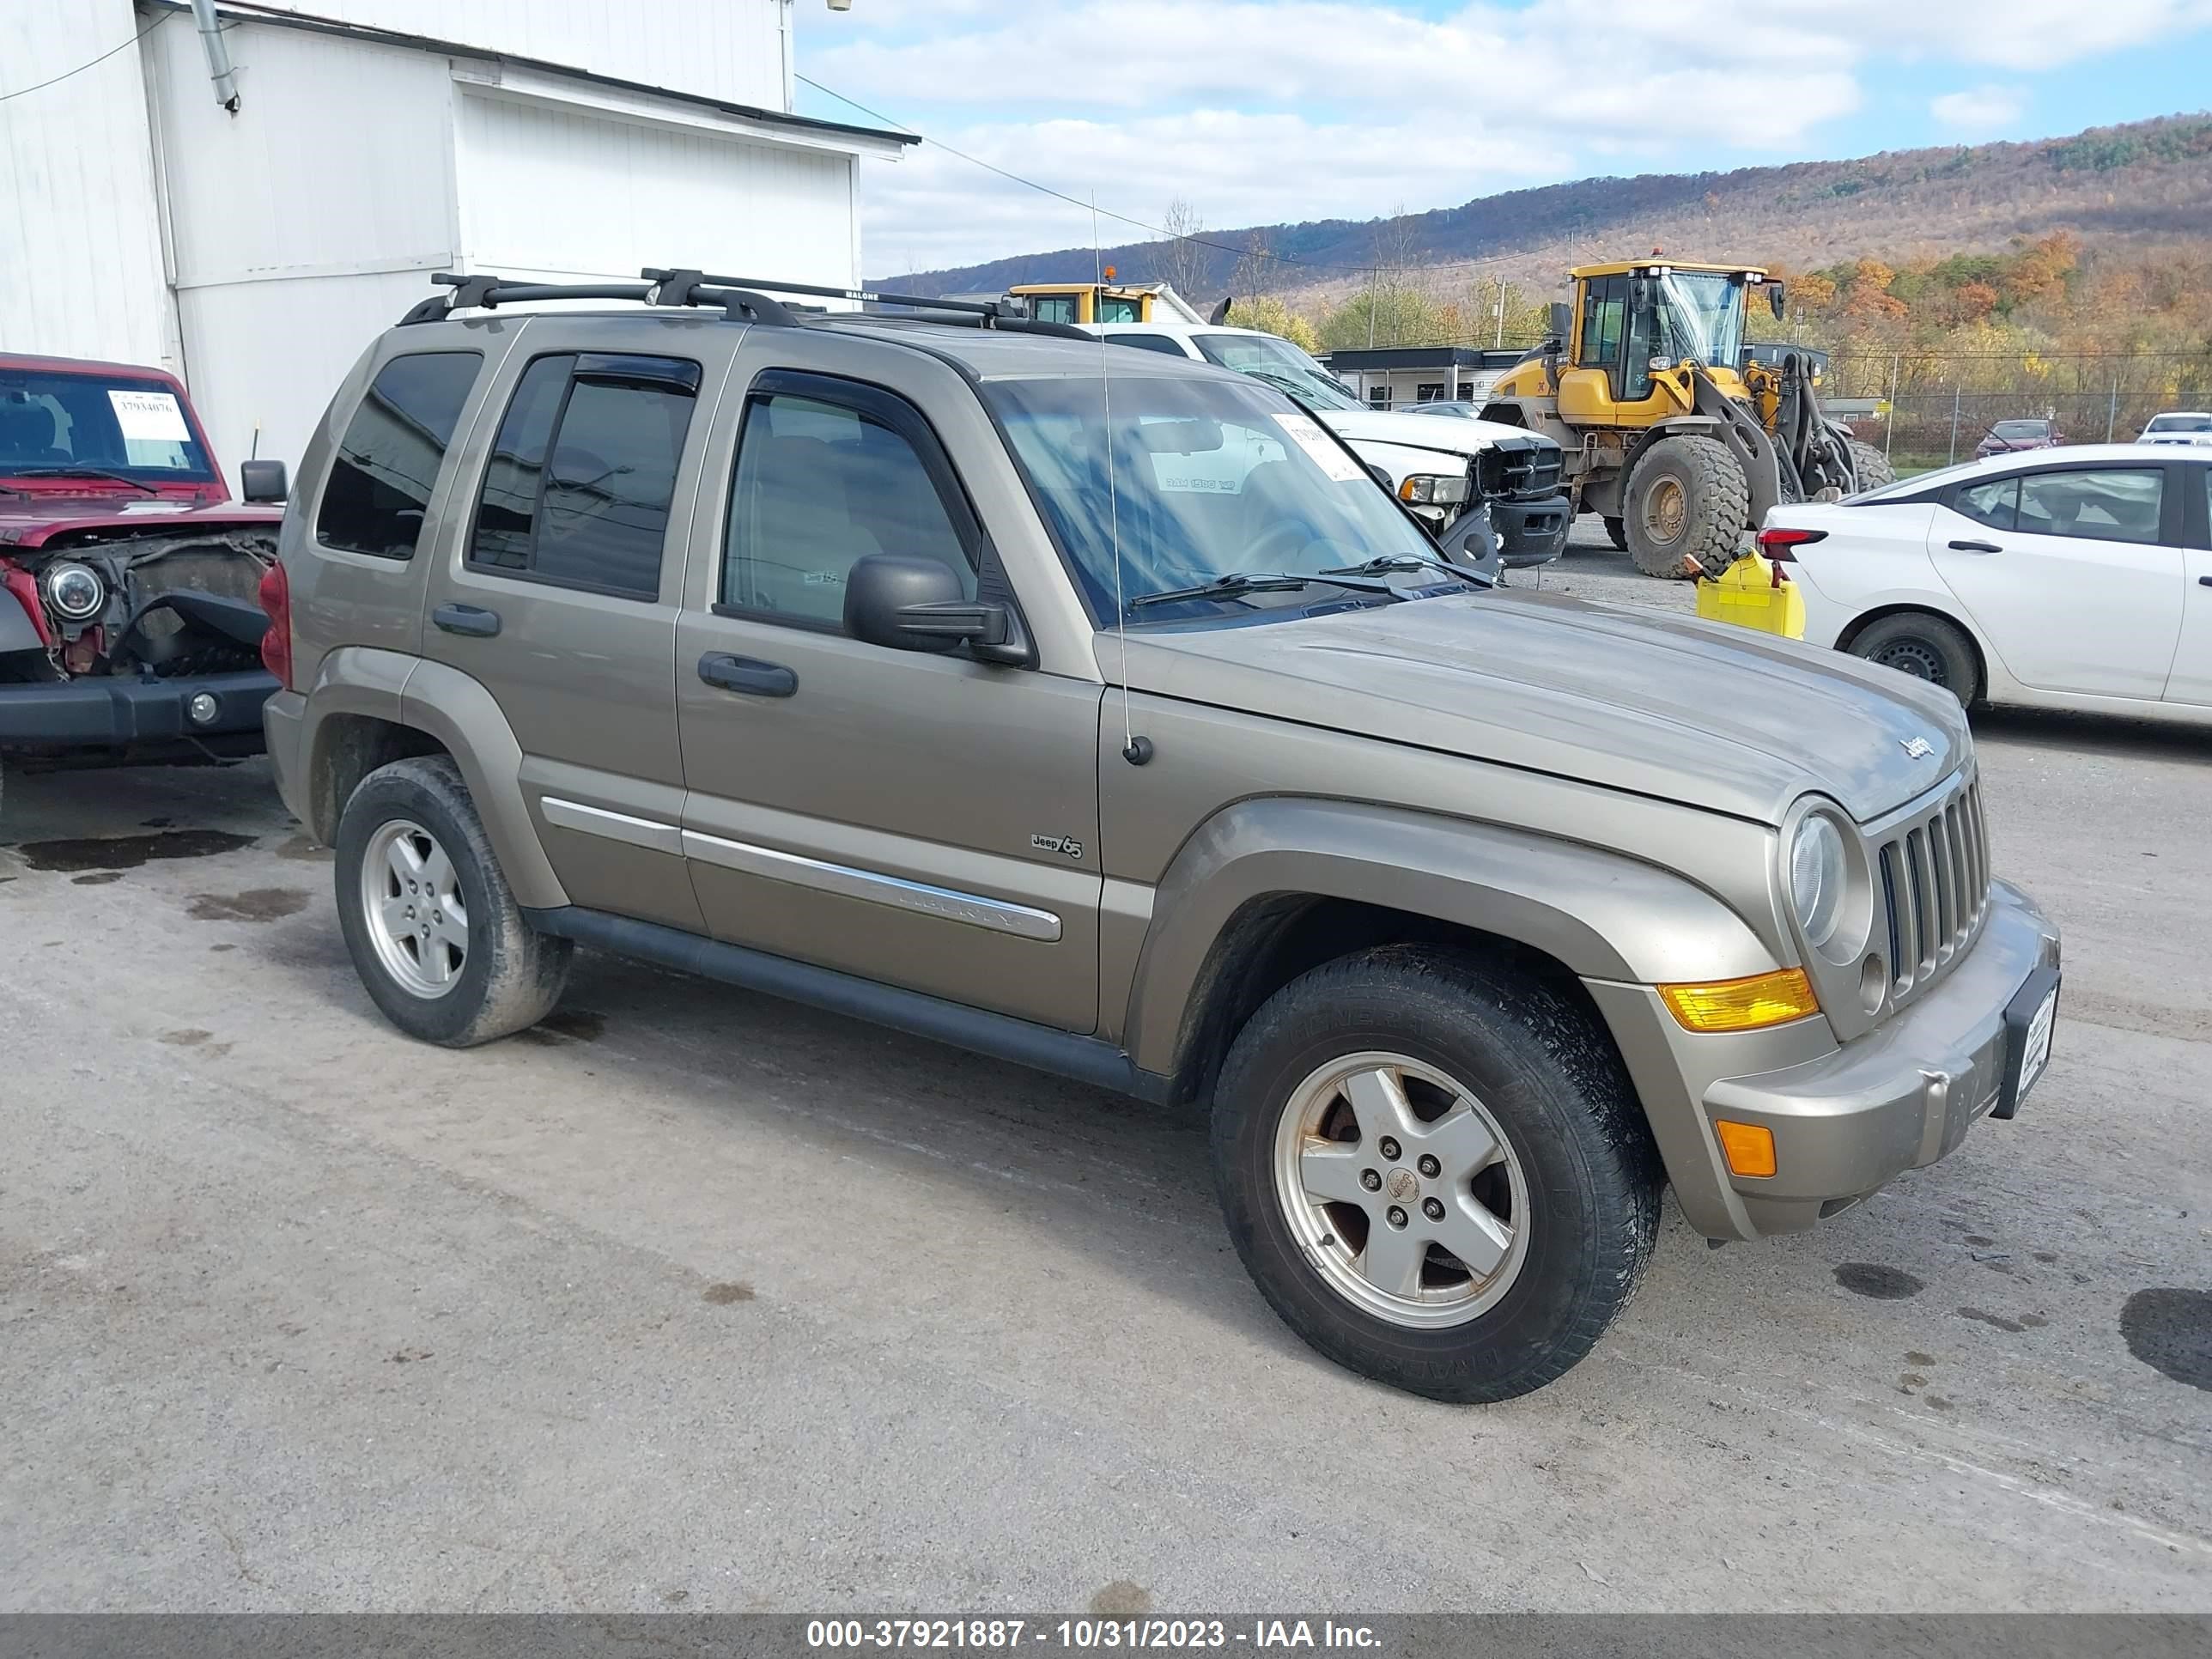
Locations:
(487, 291)
(1006, 313)
(740, 299)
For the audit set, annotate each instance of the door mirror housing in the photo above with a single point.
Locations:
(920, 604)
(264, 480)
(1776, 298)
(1563, 320)
(1472, 544)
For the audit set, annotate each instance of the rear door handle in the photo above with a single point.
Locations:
(2204, 582)
(466, 619)
(749, 675)
(1976, 547)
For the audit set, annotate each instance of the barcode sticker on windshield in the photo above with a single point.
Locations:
(1325, 452)
(152, 416)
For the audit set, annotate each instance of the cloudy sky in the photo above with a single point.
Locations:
(1255, 110)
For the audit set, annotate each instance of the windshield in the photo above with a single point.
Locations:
(1700, 316)
(1280, 364)
(1211, 479)
(2180, 423)
(2021, 429)
(135, 428)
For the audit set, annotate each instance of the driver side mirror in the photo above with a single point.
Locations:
(1380, 474)
(1472, 544)
(1776, 299)
(263, 480)
(1563, 320)
(918, 605)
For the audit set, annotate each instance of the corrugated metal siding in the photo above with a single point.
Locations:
(562, 193)
(729, 49)
(80, 241)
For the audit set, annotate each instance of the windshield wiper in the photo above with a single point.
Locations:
(83, 473)
(1390, 561)
(1237, 583)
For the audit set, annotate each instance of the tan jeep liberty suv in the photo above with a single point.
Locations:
(781, 646)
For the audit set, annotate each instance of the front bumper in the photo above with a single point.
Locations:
(1846, 1119)
(112, 712)
(1531, 532)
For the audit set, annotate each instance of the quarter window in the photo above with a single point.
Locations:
(821, 485)
(581, 477)
(2116, 505)
(387, 463)
(1996, 503)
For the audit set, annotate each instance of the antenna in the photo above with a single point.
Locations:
(1134, 749)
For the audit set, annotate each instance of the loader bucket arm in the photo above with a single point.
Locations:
(1762, 463)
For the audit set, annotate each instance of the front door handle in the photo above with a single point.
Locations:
(749, 675)
(466, 619)
(1976, 547)
(2204, 582)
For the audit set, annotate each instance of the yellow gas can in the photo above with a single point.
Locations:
(1754, 592)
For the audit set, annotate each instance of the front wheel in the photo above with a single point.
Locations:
(1616, 532)
(1435, 1171)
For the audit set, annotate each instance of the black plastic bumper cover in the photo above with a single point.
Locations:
(112, 712)
(1531, 532)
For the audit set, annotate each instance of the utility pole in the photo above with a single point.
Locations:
(1954, 426)
(2112, 409)
(1501, 310)
(1372, 273)
(1889, 425)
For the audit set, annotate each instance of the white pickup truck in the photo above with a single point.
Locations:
(1442, 469)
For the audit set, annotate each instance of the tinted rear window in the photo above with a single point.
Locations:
(379, 486)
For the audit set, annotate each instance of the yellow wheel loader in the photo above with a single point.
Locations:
(1669, 431)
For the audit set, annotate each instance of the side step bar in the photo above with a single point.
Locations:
(1080, 1059)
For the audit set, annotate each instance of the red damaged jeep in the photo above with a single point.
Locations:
(131, 625)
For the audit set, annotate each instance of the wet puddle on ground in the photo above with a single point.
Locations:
(127, 851)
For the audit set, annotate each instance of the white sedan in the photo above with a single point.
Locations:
(2074, 578)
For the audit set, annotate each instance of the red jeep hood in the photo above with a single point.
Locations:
(31, 523)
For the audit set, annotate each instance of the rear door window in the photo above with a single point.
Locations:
(1995, 502)
(2118, 504)
(387, 463)
(580, 480)
(1159, 342)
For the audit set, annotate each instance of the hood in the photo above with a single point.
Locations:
(31, 523)
(1446, 433)
(1708, 714)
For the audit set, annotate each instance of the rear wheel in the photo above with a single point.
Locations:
(433, 928)
(1925, 646)
(1870, 466)
(1687, 500)
(1435, 1171)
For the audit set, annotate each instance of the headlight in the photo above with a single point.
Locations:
(74, 591)
(1434, 488)
(1816, 878)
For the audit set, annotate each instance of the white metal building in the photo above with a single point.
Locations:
(255, 250)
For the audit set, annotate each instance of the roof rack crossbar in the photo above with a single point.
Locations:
(992, 309)
(486, 291)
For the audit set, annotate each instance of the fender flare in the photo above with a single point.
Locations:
(1600, 915)
(462, 717)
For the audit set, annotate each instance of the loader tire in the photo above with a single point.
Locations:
(1616, 532)
(1687, 499)
(1870, 467)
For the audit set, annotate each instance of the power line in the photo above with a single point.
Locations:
(25, 92)
(1141, 224)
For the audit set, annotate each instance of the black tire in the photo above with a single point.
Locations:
(1687, 499)
(1926, 647)
(1870, 466)
(1550, 1079)
(1616, 532)
(511, 976)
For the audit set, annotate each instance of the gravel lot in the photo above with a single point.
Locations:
(695, 1299)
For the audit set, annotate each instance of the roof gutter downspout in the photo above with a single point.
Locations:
(218, 55)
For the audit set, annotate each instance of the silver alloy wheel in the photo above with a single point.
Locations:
(1402, 1190)
(410, 901)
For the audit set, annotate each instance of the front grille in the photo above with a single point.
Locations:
(1934, 887)
(1521, 472)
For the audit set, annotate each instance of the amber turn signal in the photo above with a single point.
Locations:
(1742, 1005)
(1748, 1147)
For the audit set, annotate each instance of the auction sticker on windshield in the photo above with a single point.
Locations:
(152, 416)
(1327, 452)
